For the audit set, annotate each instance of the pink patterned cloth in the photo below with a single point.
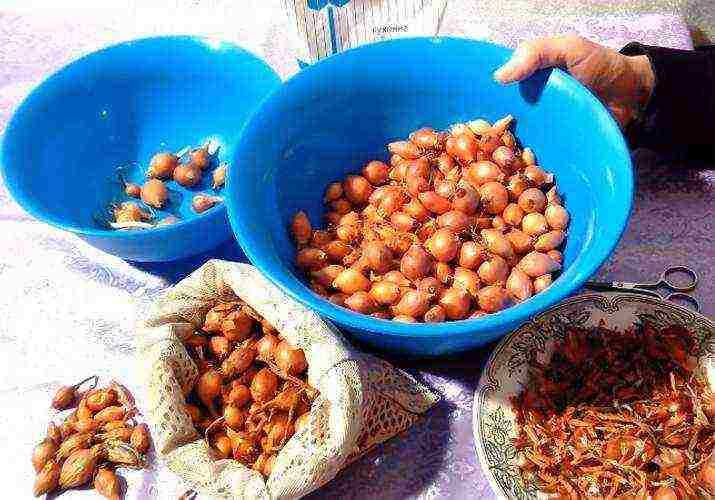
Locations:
(69, 310)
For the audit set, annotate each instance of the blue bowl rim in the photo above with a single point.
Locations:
(27, 203)
(492, 322)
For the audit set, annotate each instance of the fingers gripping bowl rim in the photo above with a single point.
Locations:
(325, 97)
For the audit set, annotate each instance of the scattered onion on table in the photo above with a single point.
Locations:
(459, 224)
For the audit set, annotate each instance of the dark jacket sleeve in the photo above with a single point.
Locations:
(679, 118)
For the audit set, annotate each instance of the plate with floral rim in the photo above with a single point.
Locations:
(506, 371)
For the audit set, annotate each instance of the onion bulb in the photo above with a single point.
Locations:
(497, 243)
(266, 347)
(527, 156)
(132, 190)
(435, 314)
(360, 302)
(443, 245)
(337, 250)
(493, 270)
(494, 197)
(418, 168)
(504, 157)
(488, 143)
(208, 387)
(416, 263)
(154, 193)
(456, 303)
(480, 126)
(405, 149)
(536, 176)
(445, 188)
(520, 241)
(378, 256)
(519, 285)
(552, 196)
(412, 304)
(445, 163)
(471, 255)
(376, 172)
(481, 172)
(534, 224)
(201, 202)
(549, 241)
(333, 192)
(434, 202)
(187, 175)
(311, 258)
(513, 214)
(466, 279)
(455, 220)
(397, 278)
(338, 299)
(556, 217)
(532, 200)
(426, 138)
(392, 201)
(499, 223)
(162, 165)
(556, 256)
(234, 416)
(300, 228)
(430, 286)
(264, 385)
(350, 281)
(493, 299)
(417, 185)
(290, 359)
(516, 185)
(219, 176)
(541, 283)
(416, 210)
(536, 264)
(463, 147)
(443, 272)
(465, 200)
(357, 189)
(385, 292)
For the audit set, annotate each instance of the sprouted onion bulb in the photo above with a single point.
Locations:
(456, 225)
(154, 193)
(202, 202)
(162, 165)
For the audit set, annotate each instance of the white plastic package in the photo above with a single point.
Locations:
(324, 27)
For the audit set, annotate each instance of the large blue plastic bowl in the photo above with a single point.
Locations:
(332, 117)
(120, 105)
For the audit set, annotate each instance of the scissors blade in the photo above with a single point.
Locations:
(601, 285)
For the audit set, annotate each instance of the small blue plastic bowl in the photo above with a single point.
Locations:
(116, 108)
(332, 117)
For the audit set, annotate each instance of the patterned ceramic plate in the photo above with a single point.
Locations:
(506, 371)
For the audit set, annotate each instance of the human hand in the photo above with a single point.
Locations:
(623, 83)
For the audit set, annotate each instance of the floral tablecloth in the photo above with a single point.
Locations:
(67, 310)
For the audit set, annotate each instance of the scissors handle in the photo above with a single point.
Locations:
(667, 278)
(683, 299)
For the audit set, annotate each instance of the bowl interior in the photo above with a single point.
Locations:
(116, 108)
(333, 117)
(508, 370)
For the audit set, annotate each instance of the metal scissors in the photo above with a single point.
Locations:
(676, 292)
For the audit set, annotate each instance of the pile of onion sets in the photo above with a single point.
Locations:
(458, 224)
(252, 394)
(186, 168)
